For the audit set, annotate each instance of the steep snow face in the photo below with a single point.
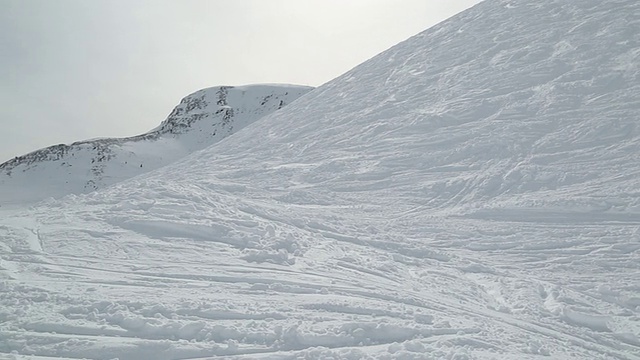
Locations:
(489, 110)
(471, 193)
(201, 119)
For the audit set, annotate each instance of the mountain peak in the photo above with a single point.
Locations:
(226, 101)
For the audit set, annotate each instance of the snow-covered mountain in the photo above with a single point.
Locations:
(201, 119)
(471, 193)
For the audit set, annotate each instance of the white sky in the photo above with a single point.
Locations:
(77, 69)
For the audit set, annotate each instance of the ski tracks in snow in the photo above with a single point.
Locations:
(470, 194)
(187, 277)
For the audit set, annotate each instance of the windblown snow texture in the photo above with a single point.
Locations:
(201, 119)
(471, 193)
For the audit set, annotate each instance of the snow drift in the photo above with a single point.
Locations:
(471, 193)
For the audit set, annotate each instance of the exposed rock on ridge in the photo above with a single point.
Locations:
(201, 119)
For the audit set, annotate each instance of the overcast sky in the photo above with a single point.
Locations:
(77, 69)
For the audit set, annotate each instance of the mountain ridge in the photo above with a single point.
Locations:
(199, 120)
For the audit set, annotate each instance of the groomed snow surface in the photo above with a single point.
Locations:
(471, 193)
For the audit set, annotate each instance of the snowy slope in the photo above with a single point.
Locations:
(471, 193)
(201, 119)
